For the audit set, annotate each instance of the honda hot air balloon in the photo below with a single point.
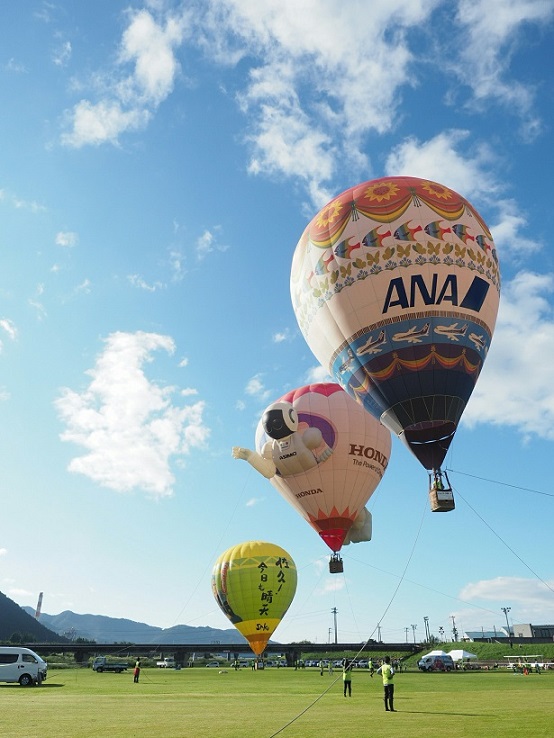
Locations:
(325, 455)
(395, 285)
(254, 584)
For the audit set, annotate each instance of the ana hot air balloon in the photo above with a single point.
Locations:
(325, 455)
(395, 285)
(254, 584)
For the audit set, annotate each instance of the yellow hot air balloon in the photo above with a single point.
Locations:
(254, 584)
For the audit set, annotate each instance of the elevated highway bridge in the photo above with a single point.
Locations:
(183, 652)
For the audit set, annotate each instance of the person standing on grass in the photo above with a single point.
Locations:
(387, 672)
(136, 671)
(347, 678)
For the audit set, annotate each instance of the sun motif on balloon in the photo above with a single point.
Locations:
(382, 191)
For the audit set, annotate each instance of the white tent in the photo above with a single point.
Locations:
(461, 655)
(438, 652)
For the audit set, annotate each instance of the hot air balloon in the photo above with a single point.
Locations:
(325, 455)
(254, 584)
(395, 285)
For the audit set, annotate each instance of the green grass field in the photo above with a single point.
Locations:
(200, 702)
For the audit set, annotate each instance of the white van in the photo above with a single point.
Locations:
(21, 665)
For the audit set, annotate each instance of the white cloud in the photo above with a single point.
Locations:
(128, 101)
(66, 238)
(209, 242)
(14, 66)
(62, 54)
(318, 374)
(491, 30)
(37, 305)
(331, 584)
(444, 159)
(530, 600)
(3, 551)
(441, 160)
(85, 287)
(102, 122)
(281, 336)
(8, 326)
(128, 423)
(11, 198)
(321, 75)
(142, 284)
(324, 75)
(256, 388)
(516, 589)
(313, 81)
(178, 270)
(508, 232)
(503, 395)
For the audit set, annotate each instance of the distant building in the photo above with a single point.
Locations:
(484, 635)
(526, 630)
(521, 630)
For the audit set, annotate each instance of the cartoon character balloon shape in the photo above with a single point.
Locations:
(254, 584)
(325, 455)
(395, 285)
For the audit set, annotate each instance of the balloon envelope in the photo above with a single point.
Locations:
(395, 285)
(254, 584)
(353, 454)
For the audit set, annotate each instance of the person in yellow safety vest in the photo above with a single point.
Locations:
(347, 677)
(387, 672)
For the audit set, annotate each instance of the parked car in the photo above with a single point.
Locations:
(215, 664)
(101, 663)
(436, 662)
(167, 663)
(19, 664)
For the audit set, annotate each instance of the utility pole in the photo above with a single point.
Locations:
(506, 610)
(406, 629)
(414, 630)
(441, 633)
(454, 630)
(334, 611)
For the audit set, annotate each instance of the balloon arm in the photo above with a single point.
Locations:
(324, 455)
(265, 467)
(361, 529)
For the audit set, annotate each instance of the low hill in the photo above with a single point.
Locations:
(14, 620)
(103, 629)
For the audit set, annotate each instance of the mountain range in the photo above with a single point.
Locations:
(14, 621)
(68, 626)
(103, 629)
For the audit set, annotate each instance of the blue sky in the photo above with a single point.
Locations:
(160, 161)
